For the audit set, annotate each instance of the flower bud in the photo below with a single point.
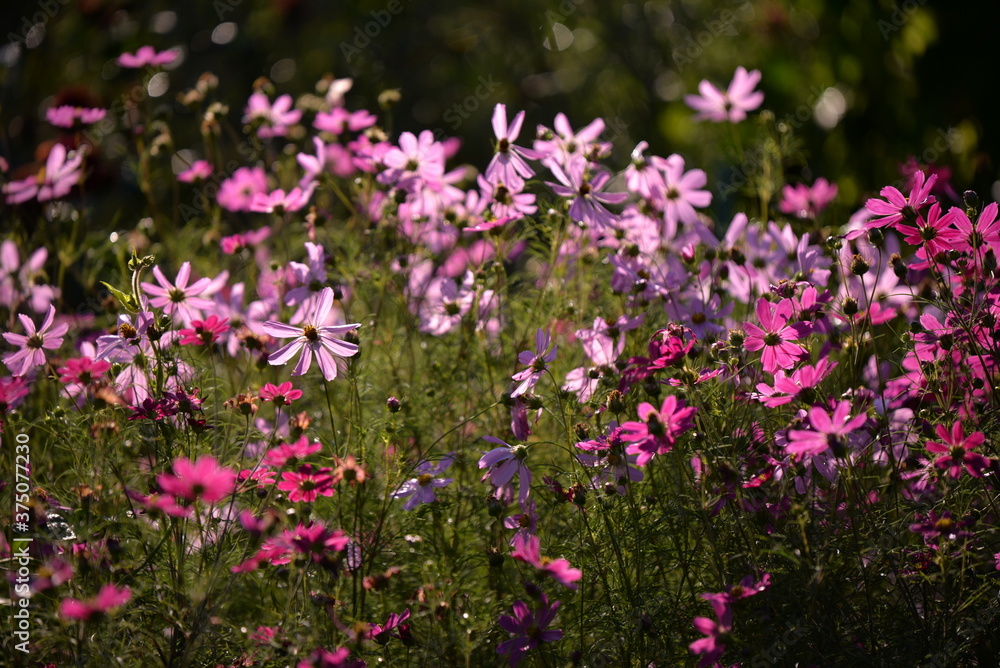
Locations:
(859, 267)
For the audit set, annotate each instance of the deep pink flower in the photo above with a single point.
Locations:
(198, 171)
(204, 332)
(146, 55)
(278, 201)
(236, 192)
(33, 343)
(290, 454)
(955, 449)
(897, 209)
(307, 484)
(322, 658)
(932, 234)
(108, 598)
(528, 629)
(714, 105)
(282, 394)
(270, 120)
(202, 479)
(381, 633)
(775, 336)
(828, 432)
(313, 338)
(658, 430)
(711, 646)
(535, 362)
(528, 549)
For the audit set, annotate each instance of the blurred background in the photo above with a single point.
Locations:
(863, 84)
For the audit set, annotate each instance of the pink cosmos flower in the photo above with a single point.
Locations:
(528, 549)
(108, 598)
(682, 192)
(338, 119)
(607, 455)
(33, 343)
(528, 629)
(982, 235)
(421, 489)
(535, 362)
(180, 300)
(282, 394)
(801, 384)
(323, 658)
(658, 430)
(585, 189)
(62, 171)
(290, 454)
(202, 479)
(198, 171)
(564, 144)
(270, 120)
(278, 202)
(204, 332)
(306, 484)
(956, 448)
(897, 209)
(711, 646)
(714, 105)
(932, 234)
(236, 192)
(503, 463)
(68, 116)
(508, 164)
(146, 56)
(313, 338)
(774, 336)
(828, 432)
(807, 201)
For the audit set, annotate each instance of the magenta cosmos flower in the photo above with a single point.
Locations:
(146, 55)
(313, 338)
(828, 432)
(108, 598)
(897, 209)
(956, 448)
(528, 629)
(202, 479)
(307, 484)
(68, 116)
(714, 105)
(805, 201)
(774, 335)
(658, 430)
(33, 343)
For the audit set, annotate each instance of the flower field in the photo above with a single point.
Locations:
(291, 383)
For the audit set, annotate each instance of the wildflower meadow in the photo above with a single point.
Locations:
(293, 383)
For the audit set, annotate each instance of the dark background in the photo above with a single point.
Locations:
(910, 73)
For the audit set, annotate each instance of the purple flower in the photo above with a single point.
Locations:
(33, 343)
(421, 489)
(313, 338)
(588, 200)
(503, 463)
(535, 363)
(528, 629)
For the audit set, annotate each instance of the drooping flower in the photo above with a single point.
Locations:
(201, 479)
(508, 164)
(775, 336)
(108, 598)
(313, 338)
(33, 343)
(421, 489)
(714, 105)
(528, 629)
(527, 548)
